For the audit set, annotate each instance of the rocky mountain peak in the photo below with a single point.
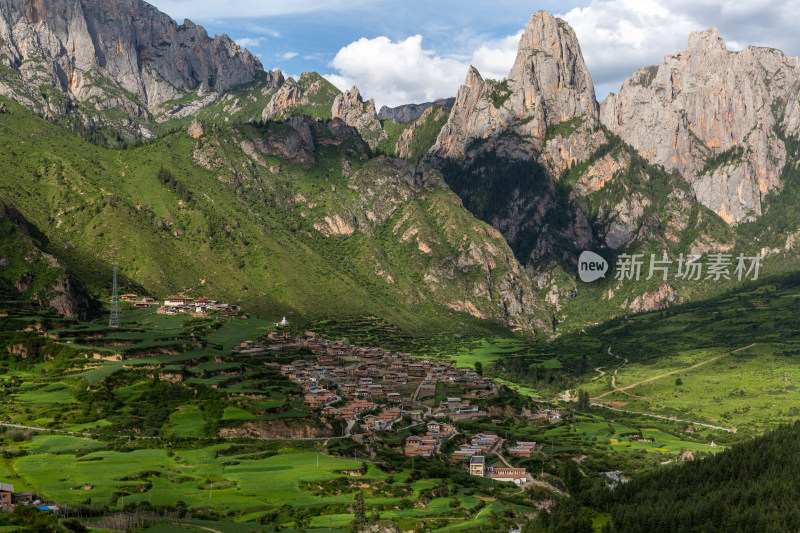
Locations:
(474, 77)
(349, 99)
(122, 54)
(351, 108)
(705, 41)
(712, 115)
(549, 59)
(548, 84)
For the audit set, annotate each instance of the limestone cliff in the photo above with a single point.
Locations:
(548, 84)
(351, 108)
(710, 114)
(119, 54)
(408, 112)
(310, 95)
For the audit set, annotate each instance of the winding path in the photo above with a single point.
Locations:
(696, 365)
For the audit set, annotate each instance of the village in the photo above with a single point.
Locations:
(372, 389)
(175, 305)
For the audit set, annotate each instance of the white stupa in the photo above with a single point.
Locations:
(283, 323)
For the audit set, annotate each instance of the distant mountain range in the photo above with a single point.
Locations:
(409, 112)
(463, 214)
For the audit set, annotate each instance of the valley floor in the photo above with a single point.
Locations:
(183, 421)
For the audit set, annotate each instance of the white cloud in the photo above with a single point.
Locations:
(402, 72)
(287, 56)
(494, 59)
(249, 42)
(618, 37)
(259, 29)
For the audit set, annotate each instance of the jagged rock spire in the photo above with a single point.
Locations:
(548, 84)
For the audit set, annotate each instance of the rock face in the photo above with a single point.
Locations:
(122, 54)
(655, 300)
(534, 125)
(548, 84)
(711, 115)
(311, 94)
(408, 112)
(195, 130)
(352, 109)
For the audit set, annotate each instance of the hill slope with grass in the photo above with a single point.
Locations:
(284, 217)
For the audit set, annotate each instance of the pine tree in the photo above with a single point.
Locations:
(359, 513)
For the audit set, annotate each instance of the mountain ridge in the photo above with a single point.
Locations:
(324, 176)
(705, 102)
(123, 54)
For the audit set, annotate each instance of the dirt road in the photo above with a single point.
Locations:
(696, 365)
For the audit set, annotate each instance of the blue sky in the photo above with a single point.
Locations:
(412, 51)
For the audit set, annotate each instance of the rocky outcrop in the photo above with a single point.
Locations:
(654, 300)
(579, 139)
(408, 112)
(120, 54)
(66, 297)
(195, 129)
(547, 85)
(624, 220)
(711, 115)
(311, 95)
(351, 108)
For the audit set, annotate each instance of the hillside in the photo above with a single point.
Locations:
(745, 488)
(283, 217)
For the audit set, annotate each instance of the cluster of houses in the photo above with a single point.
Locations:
(478, 467)
(479, 444)
(382, 420)
(139, 303)
(551, 416)
(10, 499)
(394, 367)
(352, 373)
(459, 409)
(483, 444)
(351, 410)
(175, 305)
(436, 433)
(523, 449)
(415, 445)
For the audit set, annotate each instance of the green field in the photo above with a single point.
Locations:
(187, 421)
